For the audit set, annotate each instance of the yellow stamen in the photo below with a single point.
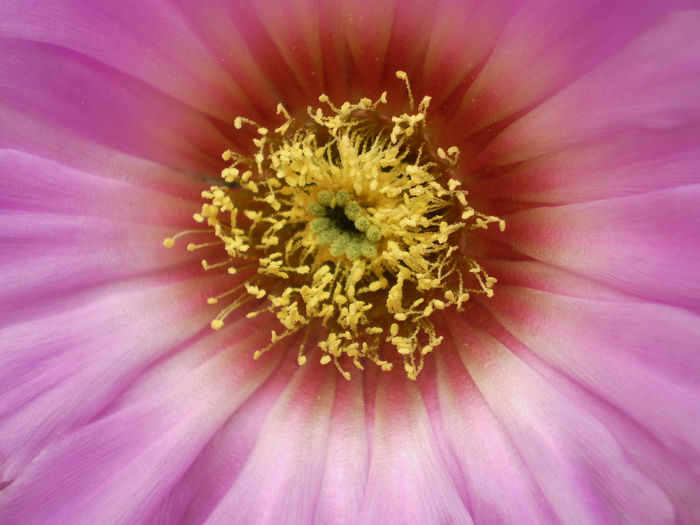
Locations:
(353, 228)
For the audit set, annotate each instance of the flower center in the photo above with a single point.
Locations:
(351, 221)
(343, 225)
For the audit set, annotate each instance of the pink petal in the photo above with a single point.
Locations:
(347, 457)
(547, 46)
(294, 28)
(640, 357)
(486, 456)
(84, 252)
(536, 275)
(106, 472)
(106, 105)
(633, 162)
(408, 481)
(156, 47)
(113, 336)
(209, 478)
(102, 225)
(35, 183)
(579, 466)
(643, 244)
(282, 476)
(247, 49)
(367, 32)
(609, 100)
(33, 135)
(462, 35)
(677, 476)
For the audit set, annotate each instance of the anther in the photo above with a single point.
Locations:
(348, 227)
(403, 76)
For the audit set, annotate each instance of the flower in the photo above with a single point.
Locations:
(569, 396)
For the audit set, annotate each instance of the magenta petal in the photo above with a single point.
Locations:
(368, 31)
(156, 46)
(106, 472)
(453, 54)
(200, 490)
(113, 338)
(408, 481)
(648, 85)
(252, 46)
(347, 458)
(102, 225)
(644, 244)
(34, 183)
(545, 47)
(627, 164)
(28, 138)
(295, 29)
(85, 252)
(110, 107)
(637, 356)
(575, 460)
(536, 275)
(486, 456)
(281, 478)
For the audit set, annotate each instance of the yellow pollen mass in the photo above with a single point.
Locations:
(351, 222)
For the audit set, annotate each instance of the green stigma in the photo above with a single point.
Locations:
(343, 225)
